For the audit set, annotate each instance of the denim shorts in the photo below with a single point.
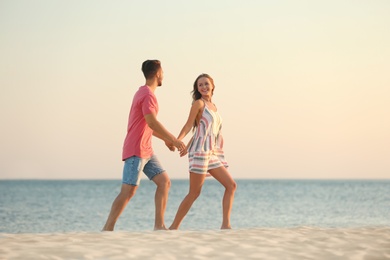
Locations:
(135, 165)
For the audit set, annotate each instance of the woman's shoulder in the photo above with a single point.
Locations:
(199, 103)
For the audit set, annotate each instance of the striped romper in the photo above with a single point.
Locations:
(205, 150)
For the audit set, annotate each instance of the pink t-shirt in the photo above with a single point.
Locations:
(138, 140)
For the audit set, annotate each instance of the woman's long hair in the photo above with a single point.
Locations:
(197, 95)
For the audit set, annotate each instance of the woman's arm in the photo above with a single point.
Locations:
(185, 151)
(196, 108)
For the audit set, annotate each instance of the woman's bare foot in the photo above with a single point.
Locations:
(160, 228)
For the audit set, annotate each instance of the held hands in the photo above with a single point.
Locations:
(183, 152)
(177, 144)
(182, 149)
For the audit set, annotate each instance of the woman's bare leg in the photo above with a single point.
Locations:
(196, 183)
(222, 175)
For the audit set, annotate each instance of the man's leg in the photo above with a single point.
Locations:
(119, 204)
(161, 197)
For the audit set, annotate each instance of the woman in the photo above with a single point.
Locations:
(205, 150)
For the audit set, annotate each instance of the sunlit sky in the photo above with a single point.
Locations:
(303, 86)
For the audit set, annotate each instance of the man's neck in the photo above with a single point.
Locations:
(152, 84)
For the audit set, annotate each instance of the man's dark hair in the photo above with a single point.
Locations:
(150, 68)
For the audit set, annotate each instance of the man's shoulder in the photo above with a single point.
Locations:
(141, 90)
(144, 93)
(145, 90)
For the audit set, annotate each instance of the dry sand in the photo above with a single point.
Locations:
(261, 243)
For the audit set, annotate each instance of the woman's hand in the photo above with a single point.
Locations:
(184, 152)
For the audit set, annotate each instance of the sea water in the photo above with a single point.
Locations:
(52, 206)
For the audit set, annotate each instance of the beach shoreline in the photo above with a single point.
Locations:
(256, 243)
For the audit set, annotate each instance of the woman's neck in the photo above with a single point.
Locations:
(206, 98)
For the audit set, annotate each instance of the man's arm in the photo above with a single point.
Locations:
(158, 135)
(168, 144)
(162, 133)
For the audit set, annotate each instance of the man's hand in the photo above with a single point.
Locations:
(170, 146)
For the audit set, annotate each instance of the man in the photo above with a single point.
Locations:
(137, 149)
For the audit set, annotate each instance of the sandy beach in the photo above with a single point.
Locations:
(264, 243)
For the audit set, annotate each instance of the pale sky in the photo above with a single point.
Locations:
(303, 86)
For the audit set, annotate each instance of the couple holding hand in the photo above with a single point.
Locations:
(204, 149)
